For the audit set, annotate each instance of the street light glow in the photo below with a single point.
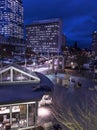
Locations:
(42, 111)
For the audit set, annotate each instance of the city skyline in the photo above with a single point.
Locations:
(79, 17)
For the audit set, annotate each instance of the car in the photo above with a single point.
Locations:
(86, 66)
(93, 64)
(7, 61)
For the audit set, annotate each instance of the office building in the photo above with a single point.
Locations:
(94, 41)
(11, 18)
(45, 36)
(11, 21)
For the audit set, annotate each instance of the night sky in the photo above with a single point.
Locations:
(79, 17)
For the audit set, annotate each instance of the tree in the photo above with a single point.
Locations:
(5, 53)
(29, 52)
(80, 60)
(63, 48)
(75, 45)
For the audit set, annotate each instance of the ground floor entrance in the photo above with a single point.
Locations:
(18, 116)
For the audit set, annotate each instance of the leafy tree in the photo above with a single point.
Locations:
(5, 53)
(29, 52)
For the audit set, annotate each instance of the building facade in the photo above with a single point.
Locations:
(11, 18)
(25, 94)
(11, 21)
(45, 36)
(94, 41)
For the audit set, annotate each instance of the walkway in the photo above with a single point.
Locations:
(66, 100)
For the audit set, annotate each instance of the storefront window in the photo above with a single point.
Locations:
(23, 116)
(15, 116)
(5, 117)
(18, 116)
(31, 114)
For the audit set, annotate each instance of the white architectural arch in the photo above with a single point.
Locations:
(17, 74)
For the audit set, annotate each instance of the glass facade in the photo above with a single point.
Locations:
(11, 18)
(16, 75)
(18, 116)
(45, 36)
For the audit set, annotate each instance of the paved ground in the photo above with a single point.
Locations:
(72, 77)
(59, 80)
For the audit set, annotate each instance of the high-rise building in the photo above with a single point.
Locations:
(45, 36)
(11, 20)
(94, 41)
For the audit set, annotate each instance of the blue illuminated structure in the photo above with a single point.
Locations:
(11, 18)
(20, 93)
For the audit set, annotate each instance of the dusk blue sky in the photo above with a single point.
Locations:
(79, 17)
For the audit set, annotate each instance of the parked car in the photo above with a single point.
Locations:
(86, 66)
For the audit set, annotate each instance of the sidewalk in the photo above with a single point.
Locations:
(47, 120)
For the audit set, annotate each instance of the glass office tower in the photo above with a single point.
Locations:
(11, 18)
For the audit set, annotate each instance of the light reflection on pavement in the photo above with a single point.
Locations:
(61, 78)
(59, 105)
(68, 120)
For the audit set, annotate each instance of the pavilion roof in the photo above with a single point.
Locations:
(11, 93)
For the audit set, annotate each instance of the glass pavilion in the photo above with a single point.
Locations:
(21, 92)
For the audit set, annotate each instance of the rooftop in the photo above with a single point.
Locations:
(17, 92)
